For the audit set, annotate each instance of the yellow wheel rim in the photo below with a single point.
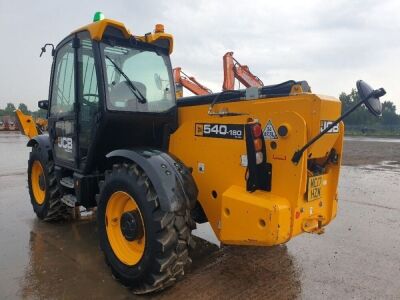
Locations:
(38, 182)
(128, 252)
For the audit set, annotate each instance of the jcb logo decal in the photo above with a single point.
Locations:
(199, 129)
(325, 124)
(65, 143)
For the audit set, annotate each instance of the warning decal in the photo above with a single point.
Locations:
(269, 131)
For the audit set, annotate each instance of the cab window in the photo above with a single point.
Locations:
(63, 91)
(138, 78)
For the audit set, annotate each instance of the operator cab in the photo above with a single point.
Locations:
(110, 90)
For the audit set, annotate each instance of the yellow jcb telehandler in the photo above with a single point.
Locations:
(261, 165)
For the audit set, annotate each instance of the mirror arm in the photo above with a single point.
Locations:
(53, 51)
(299, 153)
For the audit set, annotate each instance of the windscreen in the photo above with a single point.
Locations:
(137, 78)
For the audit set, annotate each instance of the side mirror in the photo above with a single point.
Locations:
(370, 97)
(43, 104)
(158, 81)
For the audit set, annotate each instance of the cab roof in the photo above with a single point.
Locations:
(158, 36)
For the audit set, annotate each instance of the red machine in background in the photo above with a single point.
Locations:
(7, 123)
(189, 82)
(233, 69)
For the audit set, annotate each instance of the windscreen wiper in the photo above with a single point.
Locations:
(134, 89)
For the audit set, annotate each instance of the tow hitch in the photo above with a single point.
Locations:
(313, 225)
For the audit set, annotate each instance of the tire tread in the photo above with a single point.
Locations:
(173, 237)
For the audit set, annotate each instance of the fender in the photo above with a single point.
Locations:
(172, 180)
(43, 141)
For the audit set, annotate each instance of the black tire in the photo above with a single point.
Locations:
(52, 209)
(167, 234)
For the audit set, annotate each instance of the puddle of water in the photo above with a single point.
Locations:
(386, 165)
(371, 139)
(205, 232)
(14, 153)
(47, 261)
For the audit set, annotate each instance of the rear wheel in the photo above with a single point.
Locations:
(43, 190)
(146, 248)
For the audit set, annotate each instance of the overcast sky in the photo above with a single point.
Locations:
(330, 44)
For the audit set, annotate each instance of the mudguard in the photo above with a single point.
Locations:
(43, 141)
(172, 180)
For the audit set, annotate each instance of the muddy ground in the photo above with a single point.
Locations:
(357, 257)
(364, 151)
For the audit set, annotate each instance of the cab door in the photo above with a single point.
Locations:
(88, 99)
(62, 114)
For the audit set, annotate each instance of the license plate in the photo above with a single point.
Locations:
(315, 188)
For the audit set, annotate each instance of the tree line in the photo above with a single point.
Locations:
(359, 117)
(9, 110)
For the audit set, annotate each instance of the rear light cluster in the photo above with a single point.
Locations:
(259, 172)
(258, 142)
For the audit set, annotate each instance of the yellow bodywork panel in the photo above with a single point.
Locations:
(158, 36)
(237, 216)
(254, 218)
(42, 123)
(97, 29)
(26, 124)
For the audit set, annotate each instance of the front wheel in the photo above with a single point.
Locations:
(43, 189)
(146, 248)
